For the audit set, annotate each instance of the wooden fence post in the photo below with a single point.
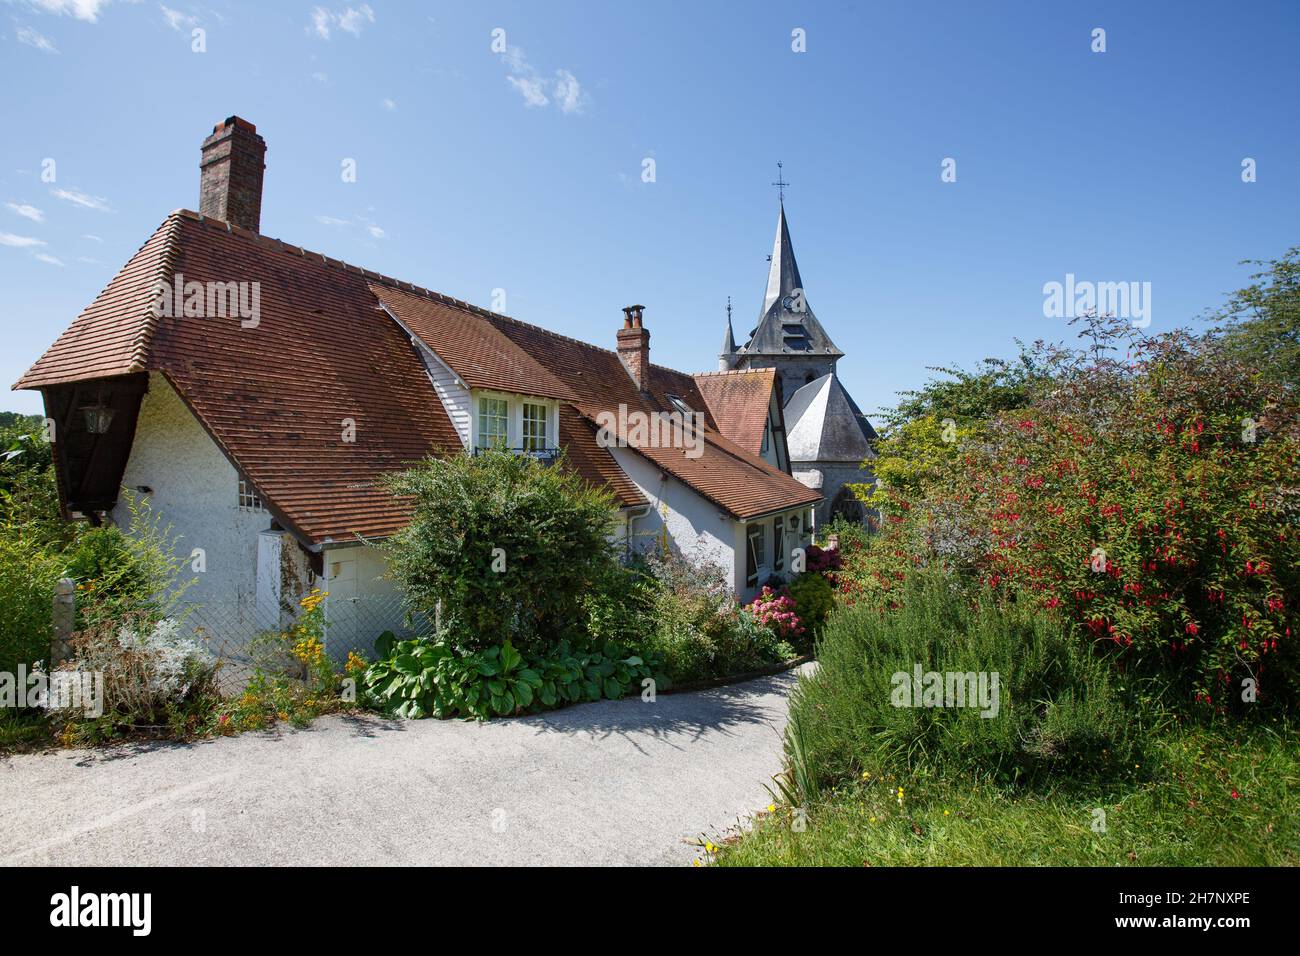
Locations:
(65, 615)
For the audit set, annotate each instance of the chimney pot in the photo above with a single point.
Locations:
(230, 174)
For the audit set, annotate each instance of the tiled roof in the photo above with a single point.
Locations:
(740, 400)
(473, 348)
(732, 477)
(275, 397)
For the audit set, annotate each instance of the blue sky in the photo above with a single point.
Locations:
(479, 171)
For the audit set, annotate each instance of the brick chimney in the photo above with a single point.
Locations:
(634, 347)
(230, 174)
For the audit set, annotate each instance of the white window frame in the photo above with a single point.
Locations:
(480, 416)
(248, 498)
(529, 443)
(758, 553)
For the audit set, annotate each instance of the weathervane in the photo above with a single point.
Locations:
(780, 182)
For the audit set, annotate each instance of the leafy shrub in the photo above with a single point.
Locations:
(129, 573)
(813, 599)
(1058, 710)
(27, 581)
(508, 546)
(695, 627)
(426, 678)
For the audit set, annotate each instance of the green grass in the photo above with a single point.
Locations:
(1181, 812)
(26, 731)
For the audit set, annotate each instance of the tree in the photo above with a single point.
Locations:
(1262, 321)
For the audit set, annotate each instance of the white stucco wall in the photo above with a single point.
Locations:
(697, 528)
(196, 490)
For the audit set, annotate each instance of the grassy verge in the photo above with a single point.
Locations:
(1077, 764)
(1214, 797)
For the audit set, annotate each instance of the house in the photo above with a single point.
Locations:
(829, 438)
(255, 392)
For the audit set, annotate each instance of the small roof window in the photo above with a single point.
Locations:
(680, 405)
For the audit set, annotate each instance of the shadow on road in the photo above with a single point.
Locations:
(722, 709)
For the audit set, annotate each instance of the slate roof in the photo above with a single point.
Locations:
(786, 323)
(274, 397)
(824, 424)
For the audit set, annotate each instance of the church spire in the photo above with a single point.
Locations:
(786, 324)
(783, 274)
(727, 357)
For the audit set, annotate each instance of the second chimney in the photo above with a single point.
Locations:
(230, 174)
(634, 347)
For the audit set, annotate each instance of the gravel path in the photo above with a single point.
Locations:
(616, 782)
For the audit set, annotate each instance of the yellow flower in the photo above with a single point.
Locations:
(695, 862)
(865, 775)
(771, 808)
(710, 847)
(945, 813)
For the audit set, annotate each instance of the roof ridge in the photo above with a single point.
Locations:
(402, 286)
(732, 371)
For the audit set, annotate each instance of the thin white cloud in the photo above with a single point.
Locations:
(331, 221)
(176, 20)
(78, 198)
(26, 211)
(376, 232)
(46, 257)
(564, 91)
(36, 40)
(322, 78)
(389, 105)
(349, 19)
(87, 10)
(568, 92)
(87, 235)
(19, 242)
(531, 88)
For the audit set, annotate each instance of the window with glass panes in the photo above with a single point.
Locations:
(493, 423)
(534, 427)
(754, 558)
(778, 544)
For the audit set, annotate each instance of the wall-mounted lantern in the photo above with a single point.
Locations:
(98, 417)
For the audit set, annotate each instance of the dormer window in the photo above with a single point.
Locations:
(680, 405)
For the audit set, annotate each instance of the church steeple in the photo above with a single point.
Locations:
(786, 324)
(727, 357)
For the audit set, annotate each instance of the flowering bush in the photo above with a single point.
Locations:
(1150, 497)
(776, 609)
(294, 680)
(823, 560)
(153, 676)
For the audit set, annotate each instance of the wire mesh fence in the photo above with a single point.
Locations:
(246, 636)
